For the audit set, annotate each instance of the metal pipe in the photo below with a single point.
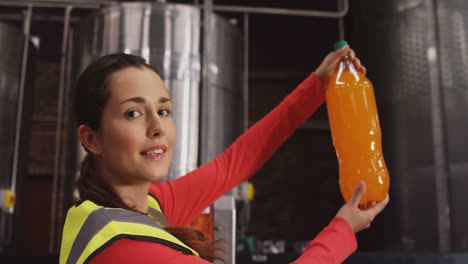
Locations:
(224, 8)
(70, 2)
(36, 17)
(58, 135)
(24, 63)
(440, 157)
(205, 82)
(66, 134)
(341, 32)
(439, 140)
(284, 11)
(246, 71)
(58, 3)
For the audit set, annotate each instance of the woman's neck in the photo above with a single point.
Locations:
(134, 196)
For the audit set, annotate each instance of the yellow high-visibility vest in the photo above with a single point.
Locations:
(90, 228)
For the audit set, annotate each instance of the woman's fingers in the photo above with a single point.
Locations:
(363, 70)
(358, 66)
(329, 63)
(358, 193)
(336, 56)
(341, 52)
(356, 61)
(379, 206)
(352, 54)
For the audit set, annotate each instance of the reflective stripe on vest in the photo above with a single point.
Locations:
(155, 210)
(90, 228)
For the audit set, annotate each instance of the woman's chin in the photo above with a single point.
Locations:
(158, 177)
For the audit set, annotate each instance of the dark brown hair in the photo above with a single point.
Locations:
(92, 94)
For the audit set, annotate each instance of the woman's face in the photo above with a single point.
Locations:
(137, 134)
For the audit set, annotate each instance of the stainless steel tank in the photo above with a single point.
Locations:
(222, 97)
(416, 56)
(15, 105)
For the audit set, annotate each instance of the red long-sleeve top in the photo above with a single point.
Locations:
(186, 197)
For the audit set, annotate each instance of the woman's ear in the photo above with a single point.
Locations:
(88, 138)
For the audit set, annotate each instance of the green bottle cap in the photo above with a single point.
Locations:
(338, 45)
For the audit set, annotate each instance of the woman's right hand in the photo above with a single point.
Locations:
(328, 65)
(357, 218)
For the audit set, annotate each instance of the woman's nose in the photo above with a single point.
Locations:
(156, 128)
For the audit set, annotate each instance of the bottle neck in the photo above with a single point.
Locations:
(346, 65)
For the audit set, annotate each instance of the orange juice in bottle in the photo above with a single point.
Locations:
(356, 134)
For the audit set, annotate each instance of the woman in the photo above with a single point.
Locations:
(126, 214)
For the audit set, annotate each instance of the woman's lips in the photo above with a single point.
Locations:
(156, 152)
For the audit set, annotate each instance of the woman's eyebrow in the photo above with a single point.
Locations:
(164, 99)
(141, 100)
(137, 99)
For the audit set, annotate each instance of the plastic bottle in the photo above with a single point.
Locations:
(356, 134)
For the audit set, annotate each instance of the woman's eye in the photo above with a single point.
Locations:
(132, 114)
(164, 112)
